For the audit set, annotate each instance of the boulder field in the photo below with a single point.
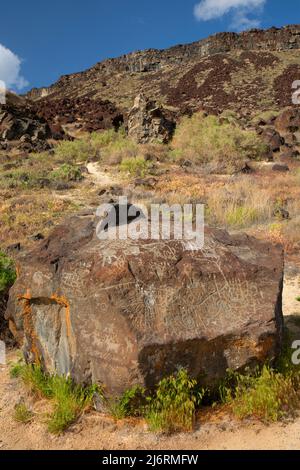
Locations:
(131, 312)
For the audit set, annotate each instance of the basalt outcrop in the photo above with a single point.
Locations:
(22, 128)
(131, 312)
(248, 72)
(148, 122)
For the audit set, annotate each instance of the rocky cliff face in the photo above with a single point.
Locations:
(153, 60)
(247, 72)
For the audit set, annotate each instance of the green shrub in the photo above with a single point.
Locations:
(74, 151)
(135, 166)
(173, 406)
(130, 404)
(7, 272)
(69, 400)
(267, 395)
(100, 140)
(19, 178)
(210, 140)
(22, 413)
(67, 172)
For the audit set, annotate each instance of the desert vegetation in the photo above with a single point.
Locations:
(218, 143)
(67, 400)
(7, 272)
(268, 393)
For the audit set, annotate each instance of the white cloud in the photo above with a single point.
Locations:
(240, 9)
(10, 69)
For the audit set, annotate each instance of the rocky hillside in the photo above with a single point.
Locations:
(246, 72)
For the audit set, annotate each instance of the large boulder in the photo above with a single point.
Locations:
(272, 139)
(131, 312)
(148, 122)
(288, 124)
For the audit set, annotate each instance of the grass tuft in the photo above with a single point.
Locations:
(22, 414)
(69, 400)
(267, 395)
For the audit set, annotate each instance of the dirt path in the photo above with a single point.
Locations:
(97, 431)
(99, 176)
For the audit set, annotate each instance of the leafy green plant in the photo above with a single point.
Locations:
(67, 172)
(22, 413)
(173, 406)
(7, 272)
(131, 403)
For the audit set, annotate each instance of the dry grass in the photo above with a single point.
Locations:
(240, 204)
(29, 213)
(245, 202)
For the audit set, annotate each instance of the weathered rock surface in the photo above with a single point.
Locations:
(148, 123)
(127, 312)
(288, 125)
(21, 127)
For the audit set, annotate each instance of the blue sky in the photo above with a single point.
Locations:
(60, 37)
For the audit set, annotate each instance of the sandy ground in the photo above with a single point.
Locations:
(215, 430)
(99, 176)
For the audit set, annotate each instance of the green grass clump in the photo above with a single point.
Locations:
(22, 413)
(69, 400)
(242, 216)
(173, 406)
(130, 404)
(135, 166)
(20, 178)
(66, 173)
(7, 272)
(267, 394)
